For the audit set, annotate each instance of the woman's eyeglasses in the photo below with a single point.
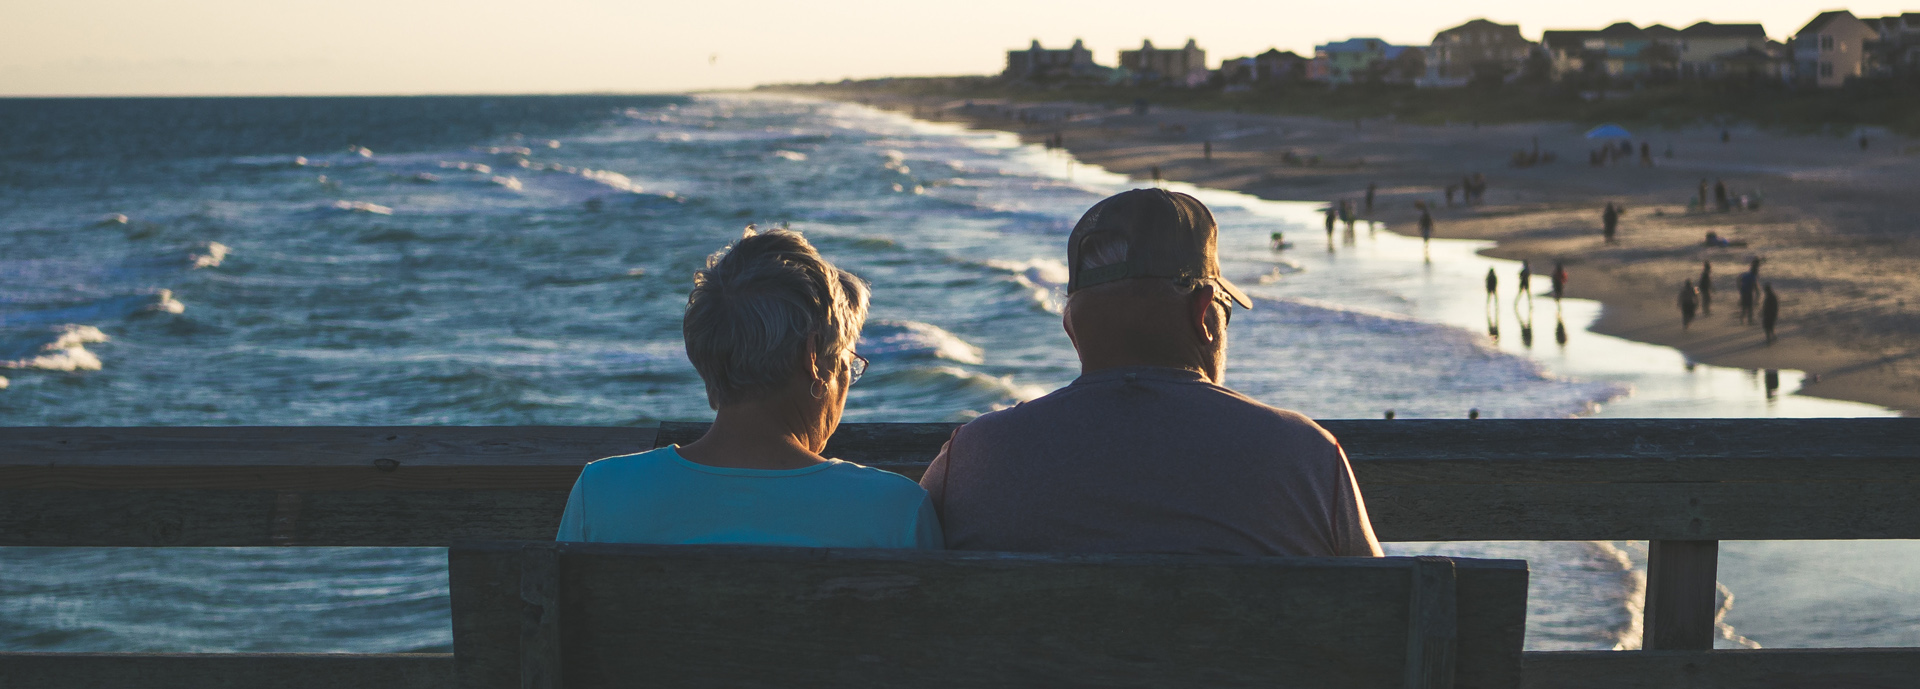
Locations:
(858, 367)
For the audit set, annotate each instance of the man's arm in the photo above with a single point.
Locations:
(1352, 529)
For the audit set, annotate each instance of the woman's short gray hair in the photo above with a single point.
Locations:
(756, 307)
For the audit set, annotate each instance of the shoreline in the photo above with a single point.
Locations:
(1836, 228)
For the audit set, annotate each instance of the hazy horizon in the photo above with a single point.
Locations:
(493, 47)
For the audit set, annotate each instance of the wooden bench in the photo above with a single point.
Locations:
(547, 615)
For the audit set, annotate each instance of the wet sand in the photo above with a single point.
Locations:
(1838, 227)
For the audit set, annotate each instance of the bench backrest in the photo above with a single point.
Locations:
(547, 615)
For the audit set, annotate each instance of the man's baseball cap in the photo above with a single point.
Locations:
(1165, 235)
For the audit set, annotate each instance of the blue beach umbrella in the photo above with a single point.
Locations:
(1608, 131)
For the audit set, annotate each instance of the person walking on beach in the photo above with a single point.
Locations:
(1426, 227)
(1148, 451)
(1370, 189)
(1331, 213)
(1749, 291)
(1559, 282)
(1156, 175)
(1526, 277)
(1646, 154)
(1493, 287)
(1769, 311)
(1703, 194)
(1451, 188)
(1720, 199)
(1609, 220)
(1706, 288)
(1689, 303)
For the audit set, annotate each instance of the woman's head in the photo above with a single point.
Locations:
(768, 314)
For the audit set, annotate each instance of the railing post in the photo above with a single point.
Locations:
(1681, 582)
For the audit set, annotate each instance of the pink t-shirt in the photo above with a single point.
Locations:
(1148, 460)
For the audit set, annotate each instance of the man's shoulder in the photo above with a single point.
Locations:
(1202, 403)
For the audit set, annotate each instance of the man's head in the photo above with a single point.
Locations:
(1144, 285)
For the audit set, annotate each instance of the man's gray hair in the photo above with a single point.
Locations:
(757, 306)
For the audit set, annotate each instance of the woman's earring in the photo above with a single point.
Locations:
(819, 385)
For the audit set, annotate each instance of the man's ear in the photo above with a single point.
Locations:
(1199, 304)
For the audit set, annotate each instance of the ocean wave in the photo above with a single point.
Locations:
(59, 349)
(1304, 353)
(95, 311)
(358, 207)
(508, 182)
(209, 256)
(886, 339)
(930, 392)
(794, 156)
(1043, 279)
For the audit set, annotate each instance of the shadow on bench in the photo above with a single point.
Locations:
(541, 614)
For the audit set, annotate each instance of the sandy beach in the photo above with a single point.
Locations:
(1835, 226)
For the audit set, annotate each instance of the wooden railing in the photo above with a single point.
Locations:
(1684, 485)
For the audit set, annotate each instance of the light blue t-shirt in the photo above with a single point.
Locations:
(660, 497)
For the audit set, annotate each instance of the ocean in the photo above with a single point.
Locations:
(525, 260)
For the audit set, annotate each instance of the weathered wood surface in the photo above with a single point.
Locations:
(1433, 630)
(1810, 668)
(1587, 479)
(309, 457)
(1682, 581)
(1870, 668)
(791, 617)
(226, 670)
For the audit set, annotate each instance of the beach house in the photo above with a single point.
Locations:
(1832, 49)
(1365, 60)
(1620, 51)
(1897, 52)
(1269, 68)
(1036, 63)
(1185, 66)
(1476, 49)
(1716, 51)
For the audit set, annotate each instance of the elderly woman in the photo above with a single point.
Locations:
(770, 326)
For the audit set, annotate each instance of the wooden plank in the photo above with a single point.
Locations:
(541, 666)
(1432, 632)
(1681, 584)
(1808, 668)
(749, 617)
(226, 670)
(1547, 512)
(309, 457)
(1643, 511)
(1590, 479)
(104, 518)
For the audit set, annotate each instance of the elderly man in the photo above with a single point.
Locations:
(1147, 452)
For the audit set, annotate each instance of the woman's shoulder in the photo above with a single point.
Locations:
(638, 461)
(868, 479)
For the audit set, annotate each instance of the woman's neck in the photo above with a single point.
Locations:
(755, 436)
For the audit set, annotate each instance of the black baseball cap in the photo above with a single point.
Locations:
(1167, 235)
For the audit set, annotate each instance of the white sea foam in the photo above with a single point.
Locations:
(615, 180)
(210, 256)
(113, 219)
(913, 339)
(511, 183)
(794, 156)
(165, 303)
(66, 351)
(3, 382)
(1045, 279)
(360, 207)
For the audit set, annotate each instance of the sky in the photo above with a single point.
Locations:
(281, 47)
